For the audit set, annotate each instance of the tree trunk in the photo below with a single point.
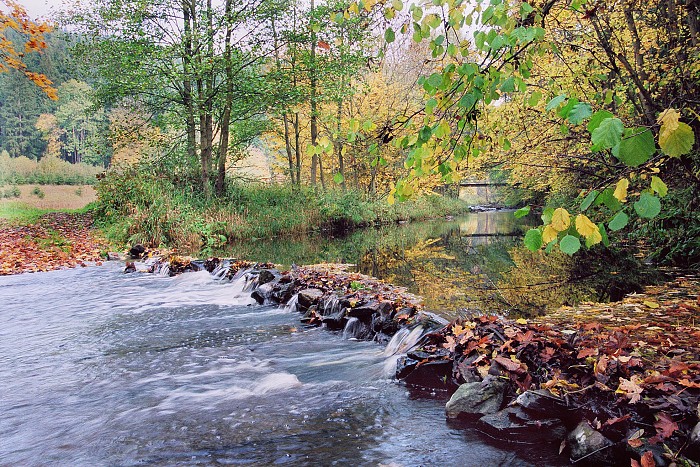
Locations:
(338, 144)
(228, 103)
(313, 94)
(297, 146)
(187, 96)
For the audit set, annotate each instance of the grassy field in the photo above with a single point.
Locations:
(48, 197)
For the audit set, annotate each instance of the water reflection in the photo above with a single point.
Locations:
(474, 263)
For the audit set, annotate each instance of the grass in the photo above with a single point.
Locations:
(17, 212)
(50, 197)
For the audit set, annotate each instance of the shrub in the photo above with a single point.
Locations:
(38, 192)
(11, 192)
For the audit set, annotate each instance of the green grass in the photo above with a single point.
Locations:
(17, 212)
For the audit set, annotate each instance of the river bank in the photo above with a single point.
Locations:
(604, 383)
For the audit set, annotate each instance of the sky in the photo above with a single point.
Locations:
(40, 8)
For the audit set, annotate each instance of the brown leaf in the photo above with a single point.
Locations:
(665, 426)
(635, 443)
(514, 366)
(587, 352)
(648, 459)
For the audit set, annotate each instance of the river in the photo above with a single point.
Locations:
(102, 368)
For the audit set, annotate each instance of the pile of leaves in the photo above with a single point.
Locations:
(56, 241)
(631, 368)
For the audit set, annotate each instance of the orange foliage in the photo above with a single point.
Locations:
(11, 56)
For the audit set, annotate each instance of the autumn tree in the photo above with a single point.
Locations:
(13, 17)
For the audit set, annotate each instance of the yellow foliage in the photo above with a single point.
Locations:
(549, 234)
(621, 190)
(560, 220)
(585, 227)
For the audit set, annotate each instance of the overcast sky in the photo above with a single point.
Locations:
(40, 8)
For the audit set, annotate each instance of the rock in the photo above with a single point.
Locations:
(263, 293)
(267, 275)
(694, 439)
(433, 374)
(308, 297)
(585, 441)
(282, 293)
(478, 398)
(113, 256)
(137, 251)
(130, 267)
(365, 312)
(211, 264)
(543, 402)
(514, 422)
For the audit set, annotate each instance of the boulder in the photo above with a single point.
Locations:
(478, 398)
(137, 251)
(308, 297)
(282, 293)
(585, 441)
(262, 293)
(365, 312)
(515, 423)
(113, 256)
(543, 402)
(267, 275)
(130, 267)
(432, 374)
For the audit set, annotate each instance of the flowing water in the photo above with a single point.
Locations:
(102, 368)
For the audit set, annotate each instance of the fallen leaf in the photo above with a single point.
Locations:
(665, 426)
(647, 459)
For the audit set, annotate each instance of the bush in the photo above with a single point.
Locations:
(38, 192)
(11, 192)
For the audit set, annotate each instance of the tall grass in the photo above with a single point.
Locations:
(48, 171)
(141, 207)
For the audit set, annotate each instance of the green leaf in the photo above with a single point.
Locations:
(659, 186)
(677, 142)
(554, 103)
(648, 206)
(569, 245)
(534, 98)
(598, 117)
(608, 134)
(588, 200)
(508, 85)
(618, 222)
(435, 80)
(389, 35)
(522, 212)
(579, 113)
(338, 178)
(397, 4)
(607, 197)
(547, 215)
(636, 147)
(533, 239)
(604, 235)
(564, 111)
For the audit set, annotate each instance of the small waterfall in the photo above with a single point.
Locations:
(403, 340)
(331, 306)
(353, 328)
(251, 281)
(221, 270)
(292, 304)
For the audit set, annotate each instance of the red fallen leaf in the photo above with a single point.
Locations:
(665, 426)
(511, 365)
(588, 352)
(648, 459)
(525, 338)
(689, 384)
(601, 365)
(612, 421)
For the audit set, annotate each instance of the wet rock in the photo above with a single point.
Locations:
(113, 256)
(130, 267)
(308, 297)
(267, 275)
(432, 372)
(514, 422)
(694, 438)
(543, 402)
(335, 322)
(137, 251)
(373, 307)
(263, 293)
(587, 442)
(282, 293)
(478, 398)
(211, 264)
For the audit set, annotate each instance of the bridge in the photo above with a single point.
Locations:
(482, 192)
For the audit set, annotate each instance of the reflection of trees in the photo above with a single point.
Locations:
(470, 263)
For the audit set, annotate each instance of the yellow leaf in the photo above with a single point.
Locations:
(549, 234)
(560, 220)
(595, 238)
(668, 121)
(651, 304)
(585, 227)
(621, 190)
(521, 321)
